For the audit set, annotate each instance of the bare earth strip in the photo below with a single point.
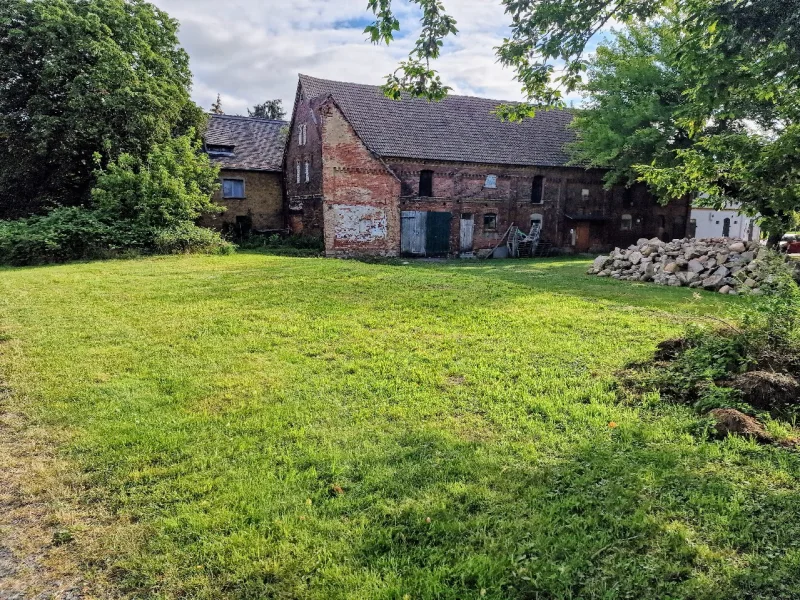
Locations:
(41, 531)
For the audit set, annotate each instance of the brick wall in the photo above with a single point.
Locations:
(263, 201)
(460, 188)
(360, 206)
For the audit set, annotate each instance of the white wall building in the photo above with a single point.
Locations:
(712, 223)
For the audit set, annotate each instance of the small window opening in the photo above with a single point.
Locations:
(426, 184)
(308, 171)
(303, 134)
(585, 194)
(537, 192)
(627, 223)
(536, 220)
(490, 222)
(491, 182)
(233, 188)
(298, 171)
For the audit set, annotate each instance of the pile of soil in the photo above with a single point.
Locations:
(771, 386)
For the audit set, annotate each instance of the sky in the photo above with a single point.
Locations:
(249, 51)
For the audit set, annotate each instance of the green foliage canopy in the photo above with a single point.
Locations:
(171, 186)
(271, 109)
(78, 78)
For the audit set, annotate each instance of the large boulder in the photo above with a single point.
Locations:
(695, 266)
(600, 262)
(671, 267)
(713, 283)
(737, 247)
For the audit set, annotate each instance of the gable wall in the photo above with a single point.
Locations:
(304, 200)
(360, 195)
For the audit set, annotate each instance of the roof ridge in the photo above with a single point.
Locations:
(377, 87)
(260, 119)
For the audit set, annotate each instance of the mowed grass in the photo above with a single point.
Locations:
(271, 427)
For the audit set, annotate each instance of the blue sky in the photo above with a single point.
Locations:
(252, 50)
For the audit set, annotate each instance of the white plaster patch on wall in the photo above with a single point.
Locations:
(360, 224)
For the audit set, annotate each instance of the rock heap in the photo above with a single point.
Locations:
(723, 265)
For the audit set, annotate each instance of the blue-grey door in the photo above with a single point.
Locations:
(412, 233)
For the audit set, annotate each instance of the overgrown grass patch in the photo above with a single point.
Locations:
(307, 428)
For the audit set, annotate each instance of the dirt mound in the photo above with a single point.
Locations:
(767, 390)
(731, 421)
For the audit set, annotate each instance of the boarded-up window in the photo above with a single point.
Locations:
(490, 222)
(627, 200)
(233, 188)
(491, 182)
(426, 184)
(537, 193)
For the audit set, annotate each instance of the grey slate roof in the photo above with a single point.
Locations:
(459, 128)
(258, 143)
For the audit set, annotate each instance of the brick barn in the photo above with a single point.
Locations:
(377, 176)
(250, 154)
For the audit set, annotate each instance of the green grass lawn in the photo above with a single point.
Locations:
(272, 427)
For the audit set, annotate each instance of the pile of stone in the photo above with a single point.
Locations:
(723, 265)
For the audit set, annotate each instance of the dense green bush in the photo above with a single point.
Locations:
(172, 186)
(137, 206)
(188, 238)
(79, 233)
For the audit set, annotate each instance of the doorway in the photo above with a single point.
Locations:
(425, 233)
(467, 233)
(583, 237)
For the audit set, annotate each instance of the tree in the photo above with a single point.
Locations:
(736, 63)
(81, 77)
(271, 109)
(171, 187)
(634, 95)
(216, 108)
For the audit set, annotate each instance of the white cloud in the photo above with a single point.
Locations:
(252, 50)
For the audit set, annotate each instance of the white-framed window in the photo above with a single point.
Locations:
(627, 223)
(298, 171)
(491, 182)
(308, 171)
(233, 188)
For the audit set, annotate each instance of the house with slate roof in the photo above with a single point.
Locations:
(377, 176)
(250, 154)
